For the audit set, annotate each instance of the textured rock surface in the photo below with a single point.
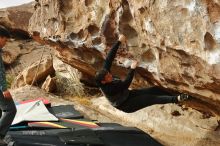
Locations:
(11, 52)
(49, 85)
(176, 41)
(172, 125)
(18, 17)
(30, 52)
(35, 73)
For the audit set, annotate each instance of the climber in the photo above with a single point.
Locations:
(7, 105)
(117, 92)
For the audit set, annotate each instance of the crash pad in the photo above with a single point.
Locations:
(33, 111)
(65, 111)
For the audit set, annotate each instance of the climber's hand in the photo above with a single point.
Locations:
(134, 64)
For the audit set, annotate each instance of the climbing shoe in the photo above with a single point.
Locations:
(183, 97)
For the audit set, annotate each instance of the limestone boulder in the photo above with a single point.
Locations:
(36, 73)
(175, 41)
(17, 18)
(49, 84)
(11, 52)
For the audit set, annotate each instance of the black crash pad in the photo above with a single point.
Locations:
(109, 137)
(30, 140)
(65, 111)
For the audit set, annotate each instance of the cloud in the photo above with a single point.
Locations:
(9, 3)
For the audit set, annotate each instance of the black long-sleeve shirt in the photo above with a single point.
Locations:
(3, 82)
(116, 91)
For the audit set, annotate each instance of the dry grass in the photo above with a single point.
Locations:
(9, 79)
(82, 100)
(85, 100)
(70, 86)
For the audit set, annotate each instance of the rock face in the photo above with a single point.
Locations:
(11, 52)
(49, 84)
(17, 19)
(35, 73)
(175, 41)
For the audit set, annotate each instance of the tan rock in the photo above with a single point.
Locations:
(175, 41)
(49, 84)
(18, 17)
(37, 72)
(10, 52)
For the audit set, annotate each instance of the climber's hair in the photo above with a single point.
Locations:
(100, 75)
(4, 32)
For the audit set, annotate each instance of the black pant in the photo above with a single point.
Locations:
(140, 98)
(8, 113)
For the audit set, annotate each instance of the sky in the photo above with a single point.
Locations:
(9, 3)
